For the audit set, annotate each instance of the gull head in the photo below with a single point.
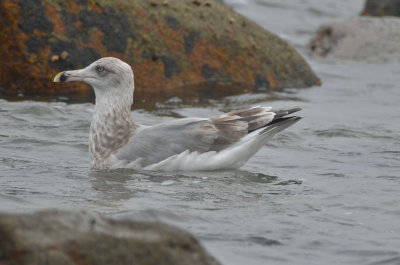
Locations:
(110, 78)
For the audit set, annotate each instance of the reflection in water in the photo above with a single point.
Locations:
(113, 186)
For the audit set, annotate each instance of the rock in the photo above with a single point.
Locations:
(68, 238)
(366, 39)
(382, 8)
(174, 47)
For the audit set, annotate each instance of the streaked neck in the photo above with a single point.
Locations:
(111, 128)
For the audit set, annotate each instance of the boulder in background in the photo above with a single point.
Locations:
(175, 47)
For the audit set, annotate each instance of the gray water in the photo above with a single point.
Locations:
(325, 191)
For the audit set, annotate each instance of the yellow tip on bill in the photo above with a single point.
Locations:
(57, 77)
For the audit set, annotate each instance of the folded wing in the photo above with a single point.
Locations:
(155, 143)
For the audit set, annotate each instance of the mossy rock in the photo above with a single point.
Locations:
(382, 8)
(175, 47)
(75, 238)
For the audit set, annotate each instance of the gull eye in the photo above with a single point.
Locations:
(99, 69)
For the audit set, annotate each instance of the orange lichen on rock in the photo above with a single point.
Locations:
(96, 36)
(238, 67)
(172, 38)
(140, 14)
(273, 83)
(149, 74)
(73, 7)
(93, 6)
(54, 16)
(116, 55)
(253, 62)
(175, 81)
(12, 47)
(204, 52)
(78, 24)
(23, 71)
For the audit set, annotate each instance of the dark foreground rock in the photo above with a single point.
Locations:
(173, 46)
(366, 39)
(382, 8)
(69, 238)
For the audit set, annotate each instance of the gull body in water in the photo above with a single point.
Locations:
(116, 141)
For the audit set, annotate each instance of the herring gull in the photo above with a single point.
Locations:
(116, 141)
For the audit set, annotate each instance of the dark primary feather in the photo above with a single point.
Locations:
(281, 121)
(281, 113)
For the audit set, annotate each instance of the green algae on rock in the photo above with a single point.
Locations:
(174, 47)
(61, 238)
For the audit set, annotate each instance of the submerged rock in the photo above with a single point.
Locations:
(382, 8)
(173, 46)
(362, 38)
(68, 238)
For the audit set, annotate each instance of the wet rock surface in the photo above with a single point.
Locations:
(382, 8)
(366, 39)
(175, 48)
(58, 237)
